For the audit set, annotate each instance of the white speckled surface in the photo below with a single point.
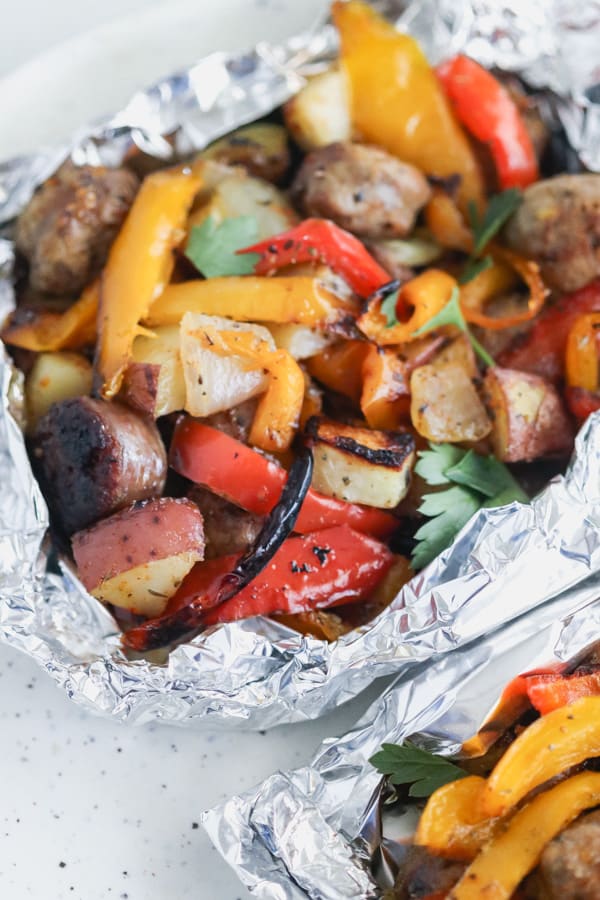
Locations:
(90, 810)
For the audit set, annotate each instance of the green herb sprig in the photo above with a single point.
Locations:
(498, 211)
(408, 764)
(212, 247)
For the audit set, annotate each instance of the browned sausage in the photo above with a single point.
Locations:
(570, 865)
(95, 458)
(227, 528)
(558, 225)
(67, 227)
(362, 188)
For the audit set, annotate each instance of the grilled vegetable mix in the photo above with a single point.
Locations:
(254, 377)
(498, 821)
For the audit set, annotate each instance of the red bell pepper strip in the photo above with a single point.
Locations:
(314, 571)
(319, 240)
(337, 565)
(229, 468)
(549, 692)
(489, 113)
(542, 349)
(581, 403)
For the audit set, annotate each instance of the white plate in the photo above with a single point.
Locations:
(94, 74)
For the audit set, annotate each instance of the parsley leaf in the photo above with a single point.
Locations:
(432, 463)
(475, 267)
(451, 314)
(388, 308)
(212, 248)
(408, 764)
(450, 510)
(474, 481)
(498, 211)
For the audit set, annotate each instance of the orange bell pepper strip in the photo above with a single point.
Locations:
(426, 295)
(581, 354)
(446, 223)
(298, 299)
(397, 101)
(515, 850)
(278, 412)
(49, 331)
(549, 692)
(139, 266)
(564, 738)
(489, 113)
(453, 823)
(508, 268)
(339, 368)
(235, 471)
(385, 397)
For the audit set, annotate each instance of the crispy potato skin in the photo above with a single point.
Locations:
(147, 531)
(558, 225)
(95, 458)
(528, 415)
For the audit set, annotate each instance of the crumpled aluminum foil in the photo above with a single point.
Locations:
(323, 831)
(256, 672)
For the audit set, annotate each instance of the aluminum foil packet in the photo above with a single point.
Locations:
(505, 561)
(324, 831)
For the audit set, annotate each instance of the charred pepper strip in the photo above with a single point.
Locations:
(487, 110)
(315, 571)
(234, 471)
(319, 240)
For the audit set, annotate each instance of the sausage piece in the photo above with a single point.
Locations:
(95, 458)
(67, 227)
(558, 225)
(570, 865)
(227, 528)
(362, 188)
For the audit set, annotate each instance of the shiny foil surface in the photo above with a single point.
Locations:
(323, 831)
(505, 561)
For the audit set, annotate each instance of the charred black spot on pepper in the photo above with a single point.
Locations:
(321, 553)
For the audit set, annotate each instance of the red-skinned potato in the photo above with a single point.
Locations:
(153, 381)
(529, 419)
(138, 557)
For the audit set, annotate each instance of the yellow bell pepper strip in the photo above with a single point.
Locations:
(278, 411)
(453, 823)
(504, 274)
(446, 223)
(426, 295)
(297, 299)
(385, 397)
(49, 331)
(139, 266)
(513, 852)
(339, 368)
(547, 748)
(398, 103)
(581, 355)
(489, 113)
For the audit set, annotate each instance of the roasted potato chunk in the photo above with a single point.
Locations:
(138, 557)
(445, 405)
(320, 113)
(528, 414)
(153, 381)
(359, 465)
(55, 377)
(261, 148)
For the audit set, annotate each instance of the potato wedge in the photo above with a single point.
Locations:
(153, 382)
(138, 557)
(320, 113)
(359, 465)
(300, 341)
(261, 148)
(458, 352)
(213, 382)
(445, 405)
(55, 377)
(528, 414)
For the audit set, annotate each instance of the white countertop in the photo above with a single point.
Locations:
(92, 810)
